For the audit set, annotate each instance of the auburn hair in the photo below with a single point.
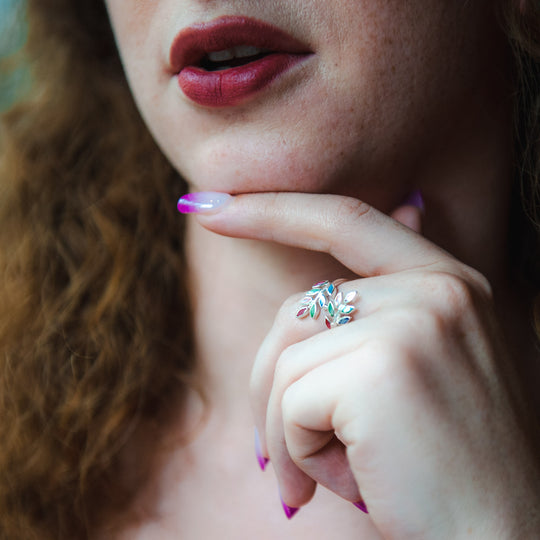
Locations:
(95, 338)
(94, 314)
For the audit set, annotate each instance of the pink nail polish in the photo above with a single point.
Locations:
(362, 506)
(289, 510)
(263, 461)
(415, 199)
(203, 202)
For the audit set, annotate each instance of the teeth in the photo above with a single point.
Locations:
(241, 51)
(221, 56)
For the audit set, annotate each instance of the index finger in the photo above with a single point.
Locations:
(365, 240)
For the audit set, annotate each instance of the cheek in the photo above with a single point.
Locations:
(134, 23)
(130, 18)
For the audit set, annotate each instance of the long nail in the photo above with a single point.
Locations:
(362, 506)
(263, 461)
(415, 199)
(203, 202)
(289, 510)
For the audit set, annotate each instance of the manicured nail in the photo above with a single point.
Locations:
(263, 461)
(203, 202)
(362, 506)
(415, 199)
(289, 510)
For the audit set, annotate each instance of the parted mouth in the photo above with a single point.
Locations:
(229, 42)
(233, 57)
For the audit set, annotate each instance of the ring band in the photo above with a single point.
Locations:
(326, 297)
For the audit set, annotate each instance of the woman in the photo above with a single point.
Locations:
(370, 141)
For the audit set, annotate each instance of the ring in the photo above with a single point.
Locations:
(325, 297)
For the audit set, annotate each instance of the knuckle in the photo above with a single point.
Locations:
(344, 218)
(288, 306)
(454, 293)
(287, 314)
(414, 323)
(268, 206)
(480, 282)
(351, 210)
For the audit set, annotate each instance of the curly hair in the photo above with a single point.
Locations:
(95, 339)
(94, 333)
(523, 29)
(521, 22)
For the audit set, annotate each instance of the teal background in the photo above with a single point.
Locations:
(12, 36)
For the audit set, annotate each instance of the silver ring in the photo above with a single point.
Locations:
(325, 297)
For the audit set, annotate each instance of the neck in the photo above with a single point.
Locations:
(237, 288)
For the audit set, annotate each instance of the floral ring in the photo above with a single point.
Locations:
(325, 297)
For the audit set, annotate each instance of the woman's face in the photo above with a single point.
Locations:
(356, 97)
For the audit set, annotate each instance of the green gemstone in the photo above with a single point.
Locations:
(331, 309)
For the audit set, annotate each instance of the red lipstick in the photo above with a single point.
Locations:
(231, 75)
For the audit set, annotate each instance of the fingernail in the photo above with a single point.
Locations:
(202, 202)
(263, 461)
(362, 506)
(415, 199)
(289, 510)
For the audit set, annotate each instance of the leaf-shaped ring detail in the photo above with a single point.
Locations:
(325, 297)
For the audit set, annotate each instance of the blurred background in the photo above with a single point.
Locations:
(13, 75)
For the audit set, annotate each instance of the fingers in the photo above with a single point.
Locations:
(287, 331)
(281, 363)
(276, 370)
(410, 216)
(302, 444)
(362, 238)
(333, 396)
(411, 211)
(302, 372)
(321, 387)
(292, 349)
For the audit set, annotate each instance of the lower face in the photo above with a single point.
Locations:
(355, 99)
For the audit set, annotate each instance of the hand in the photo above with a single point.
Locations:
(407, 407)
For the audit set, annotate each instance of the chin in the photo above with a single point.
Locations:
(241, 171)
(252, 165)
(227, 177)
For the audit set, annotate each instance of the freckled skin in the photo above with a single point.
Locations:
(366, 109)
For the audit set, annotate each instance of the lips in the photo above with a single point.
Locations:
(226, 61)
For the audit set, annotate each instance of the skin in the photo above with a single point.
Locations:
(410, 407)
